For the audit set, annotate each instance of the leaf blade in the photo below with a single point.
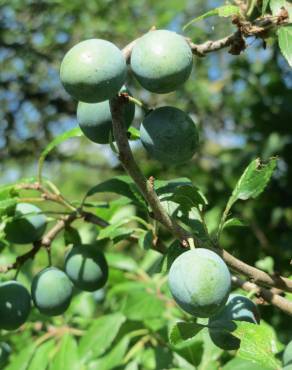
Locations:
(75, 132)
(285, 43)
(257, 344)
(67, 356)
(100, 336)
(221, 11)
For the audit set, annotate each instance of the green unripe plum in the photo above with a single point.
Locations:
(95, 120)
(199, 281)
(14, 305)
(161, 61)
(51, 291)
(5, 351)
(28, 226)
(98, 295)
(287, 355)
(169, 135)
(238, 308)
(93, 71)
(87, 268)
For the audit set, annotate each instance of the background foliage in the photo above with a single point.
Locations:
(243, 108)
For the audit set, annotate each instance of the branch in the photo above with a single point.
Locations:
(130, 166)
(48, 238)
(147, 190)
(258, 28)
(267, 295)
(20, 260)
(55, 196)
(235, 41)
(257, 276)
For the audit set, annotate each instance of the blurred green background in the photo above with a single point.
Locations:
(242, 105)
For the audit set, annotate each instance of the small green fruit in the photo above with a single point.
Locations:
(161, 61)
(28, 226)
(95, 120)
(14, 305)
(93, 70)
(199, 281)
(51, 291)
(287, 355)
(238, 308)
(98, 295)
(169, 135)
(86, 266)
(5, 351)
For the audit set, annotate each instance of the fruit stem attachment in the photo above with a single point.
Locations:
(191, 243)
(49, 256)
(139, 103)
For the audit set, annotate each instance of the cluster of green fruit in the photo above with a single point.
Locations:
(95, 70)
(85, 268)
(200, 283)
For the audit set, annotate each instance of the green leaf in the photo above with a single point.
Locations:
(257, 344)
(233, 222)
(228, 10)
(240, 364)
(100, 336)
(188, 196)
(146, 240)
(265, 5)
(254, 180)
(75, 132)
(251, 184)
(173, 251)
(116, 231)
(285, 42)
(222, 11)
(71, 236)
(122, 289)
(276, 6)
(7, 205)
(208, 14)
(183, 331)
(266, 264)
(211, 352)
(22, 359)
(121, 261)
(67, 355)
(183, 340)
(134, 133)
(8, 199)
(141, 305)
(168, 186)
(9, 191)
(42, 356)
(133, 365)
(122, 185)
(114, 358)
